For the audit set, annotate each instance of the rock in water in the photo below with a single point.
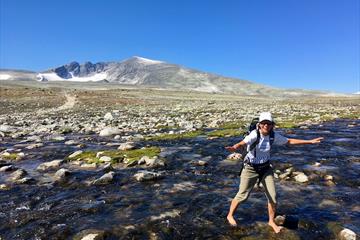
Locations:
(347, 234)
(126, 146)
(147, 176)
(77, 153)
(301, 177)
(49, 165)
(61, 174)
(109, 131)
(18, 174)
(104, 179)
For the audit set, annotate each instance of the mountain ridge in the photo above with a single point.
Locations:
(142, 71)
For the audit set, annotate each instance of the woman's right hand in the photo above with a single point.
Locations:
(230, 148)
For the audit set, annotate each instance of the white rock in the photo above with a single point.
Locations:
(108, 116)
(347, 234)
(62, 174)
(109, 131)
(18, 174)
(104, 179)
(75, 154)
(99, 154)
(301, 177)
(329, 178)
(91, 236)
(105, 159)
(144, 175)
(126, 146)
(50, 165)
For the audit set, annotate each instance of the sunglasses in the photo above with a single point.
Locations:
(267, 123)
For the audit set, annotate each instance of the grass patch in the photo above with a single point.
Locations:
(11, 156)
(174, 136)
(118, 155)
(232, 125)
(288, 124)
(226, 133)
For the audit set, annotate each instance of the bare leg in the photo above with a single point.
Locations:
(230, 216)
(272, 211)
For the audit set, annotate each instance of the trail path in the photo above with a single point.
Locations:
(69, 103)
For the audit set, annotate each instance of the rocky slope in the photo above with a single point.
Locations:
(146, 72)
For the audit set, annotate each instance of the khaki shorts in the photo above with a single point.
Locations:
(249, 178)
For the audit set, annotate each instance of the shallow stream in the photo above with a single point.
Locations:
(190, 201)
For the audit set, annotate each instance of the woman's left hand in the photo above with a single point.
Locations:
(316, 140)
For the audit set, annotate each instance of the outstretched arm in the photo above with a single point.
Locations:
(236, 146)
(293, 141)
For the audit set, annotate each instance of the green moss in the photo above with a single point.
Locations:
(232, 125)
(289, 124)
(12, 156)
(174, 136)
(117, 155)
(225, 133)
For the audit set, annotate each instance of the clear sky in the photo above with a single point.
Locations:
(310, 44)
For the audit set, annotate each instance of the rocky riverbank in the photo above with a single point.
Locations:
(149, 164)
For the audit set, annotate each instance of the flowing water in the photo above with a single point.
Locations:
(190, 201)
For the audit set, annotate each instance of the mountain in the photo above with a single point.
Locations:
(142, 71)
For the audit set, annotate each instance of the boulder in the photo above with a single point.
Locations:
(104, 179)
(7, 168)
(152, 162)
(18, 174)
(62, 174)
(144, 175)
(301, 178)
(126, 146)
(49, 165)
(105, 159)
(347, 234)
(109, 131)
(108, 116)
(75, 154)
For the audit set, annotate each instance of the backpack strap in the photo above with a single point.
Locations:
(272, 137)
(253, 146)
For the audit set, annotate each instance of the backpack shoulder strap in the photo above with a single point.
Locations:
(272, 137)
(253, 146)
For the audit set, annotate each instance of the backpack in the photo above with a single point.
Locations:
(254, 126)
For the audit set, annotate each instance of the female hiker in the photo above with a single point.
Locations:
(257, 165)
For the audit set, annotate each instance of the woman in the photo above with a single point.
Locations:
(257, 165)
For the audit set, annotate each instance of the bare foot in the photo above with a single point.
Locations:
(231, 220)
(276, 228)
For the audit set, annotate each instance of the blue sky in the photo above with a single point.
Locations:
(310, 44)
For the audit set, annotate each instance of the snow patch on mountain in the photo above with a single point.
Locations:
(146, 61)
(54, 77)
(5, 76)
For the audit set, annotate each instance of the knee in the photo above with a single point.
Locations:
(241, 197)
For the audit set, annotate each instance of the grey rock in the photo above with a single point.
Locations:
(49, 165)
(105, 179)
(7, 168)
(18, 174)
(108, 116)
(126, 146)
(105, 159)
(301, 177)
(25, 180)
(144, 175)
(62, 174)
(7, 128)
(109, 131)
(75, 154)
(347, 234)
